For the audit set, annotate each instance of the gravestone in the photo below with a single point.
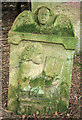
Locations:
(41, 60)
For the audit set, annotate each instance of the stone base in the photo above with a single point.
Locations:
(42, 105)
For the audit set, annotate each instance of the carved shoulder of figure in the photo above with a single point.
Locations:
(63, 26)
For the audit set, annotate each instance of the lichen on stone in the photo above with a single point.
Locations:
(41, 59)
(43, 21)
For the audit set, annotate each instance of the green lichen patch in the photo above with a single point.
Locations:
(41, 80)
(57, 30)
(43, 21)
(30, 52)
(43, 44)
(67, 42)
(24, 79)
(62, 106)
(12, 104)
(27, 28)
(63, 26)
(24, 18)
(21, 110)
(43, 105)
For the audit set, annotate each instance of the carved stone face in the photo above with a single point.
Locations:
(43, 15)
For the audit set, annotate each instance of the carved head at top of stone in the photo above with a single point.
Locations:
(43, 15)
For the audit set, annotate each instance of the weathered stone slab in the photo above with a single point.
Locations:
(41, 60)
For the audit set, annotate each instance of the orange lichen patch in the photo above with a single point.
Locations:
(45, 113)
(33, 115)
(56, 113)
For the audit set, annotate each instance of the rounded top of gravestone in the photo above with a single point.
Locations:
(43, 21)
(43, 25)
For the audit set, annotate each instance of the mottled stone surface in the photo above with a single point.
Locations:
(41, 61)
(43, 21)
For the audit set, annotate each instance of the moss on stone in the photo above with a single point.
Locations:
(63, 26)
(57, 24)
(12, 99)
(42, 80)
(27, 28)
(35, 41)
(30, 52)
(37, 82)
(68, 42)
(48, 82)
(64, 90)
(62, 106)
(57, 30)
(21, 110)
